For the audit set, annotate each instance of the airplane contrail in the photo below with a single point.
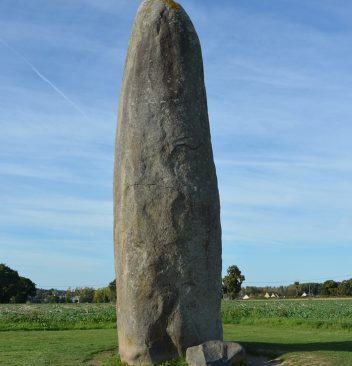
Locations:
(43, 78)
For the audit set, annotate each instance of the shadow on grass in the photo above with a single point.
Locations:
(277, 349)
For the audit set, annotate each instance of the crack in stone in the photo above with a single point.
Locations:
(149, 185)
(162, 14)
(186, 145)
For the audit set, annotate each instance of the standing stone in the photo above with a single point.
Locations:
(166, 202)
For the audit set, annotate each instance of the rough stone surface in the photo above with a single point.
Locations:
(215, 353)
(166, 203)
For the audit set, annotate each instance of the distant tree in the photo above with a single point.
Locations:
(51, 296)
(8, 280)
(14, 288)
(25, 288)
(280, 290)
(345, 288)
(311, 288)
(253, 291)
(112, 289)
(290, 290)
(102, 295)
(232, 282)
(70, 293)
(329, 288)
(293, 290)
(298, 288)
(106, 294)
(86, 294)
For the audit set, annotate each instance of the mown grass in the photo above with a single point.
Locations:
(97, 347)
(294, 346)
(39, 348)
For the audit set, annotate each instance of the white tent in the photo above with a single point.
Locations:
(273, 295)
(304, 294)
(267, 296)
(245, 297)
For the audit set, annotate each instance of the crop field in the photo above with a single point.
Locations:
(57, 316)
(332, 314)
(299, 332)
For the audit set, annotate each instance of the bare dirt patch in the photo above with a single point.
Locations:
(300, 359)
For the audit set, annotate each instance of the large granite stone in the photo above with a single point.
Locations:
(166, 203)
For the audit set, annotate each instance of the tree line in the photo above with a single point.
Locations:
(13, 287)
(76, 295)
(329, 288)
(232, 288)
(17, 289)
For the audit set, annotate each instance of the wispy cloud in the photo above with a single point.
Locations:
(57, 213)
(287, 162)
(43, 78)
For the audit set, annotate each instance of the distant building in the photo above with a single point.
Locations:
(75, 299)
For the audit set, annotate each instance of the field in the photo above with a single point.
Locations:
(57, 317)
(303, 332)
(328, 314)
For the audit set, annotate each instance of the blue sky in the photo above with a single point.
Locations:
(278, 76)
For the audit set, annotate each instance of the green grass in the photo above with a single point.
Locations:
(73, 347)
(296, 346)
(97, 347)
(310, 333)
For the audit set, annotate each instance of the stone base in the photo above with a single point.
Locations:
(216, 353)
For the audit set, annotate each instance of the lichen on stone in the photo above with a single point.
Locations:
(171, 4)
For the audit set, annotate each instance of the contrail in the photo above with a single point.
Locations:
(41, 76)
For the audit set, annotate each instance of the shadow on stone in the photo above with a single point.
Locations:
(216, 353)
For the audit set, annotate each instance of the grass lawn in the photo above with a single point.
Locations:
(66, 347)
(296, 346)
